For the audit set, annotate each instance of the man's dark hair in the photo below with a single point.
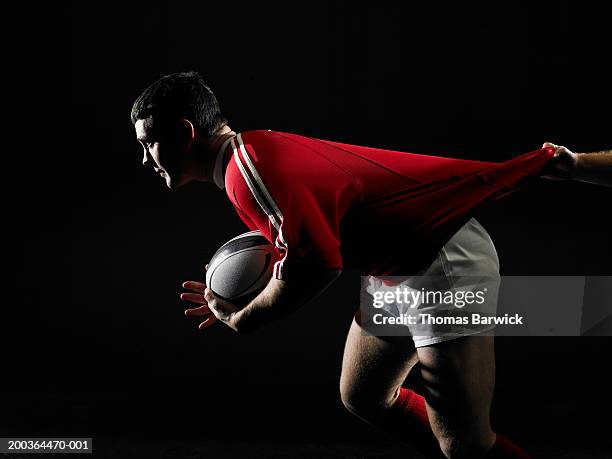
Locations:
(176, 96)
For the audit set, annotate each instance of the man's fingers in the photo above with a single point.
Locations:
(193, 297)
(207, 323)
(194, 285)
(199, 311)
(549, 144)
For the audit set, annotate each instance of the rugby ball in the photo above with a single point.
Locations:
(241, 267)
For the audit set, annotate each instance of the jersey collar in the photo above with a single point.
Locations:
(218, 177)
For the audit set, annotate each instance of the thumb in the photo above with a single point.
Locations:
(549, 144)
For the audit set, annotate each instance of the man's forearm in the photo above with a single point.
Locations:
(594, 167)
(280, 298)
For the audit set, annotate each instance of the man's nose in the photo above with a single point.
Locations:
(145, 159)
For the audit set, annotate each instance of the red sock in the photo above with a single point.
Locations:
(407, 420)
(409, 402)
(505, 449)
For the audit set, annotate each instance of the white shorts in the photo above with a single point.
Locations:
(468, 262)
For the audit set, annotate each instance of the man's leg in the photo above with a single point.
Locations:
(458, 376)
(373, 370)
(459, 379)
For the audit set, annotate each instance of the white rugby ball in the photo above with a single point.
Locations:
(241, 267)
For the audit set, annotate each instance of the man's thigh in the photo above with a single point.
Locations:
(459, 379)
(373, 369)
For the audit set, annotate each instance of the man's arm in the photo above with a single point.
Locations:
(280, 298)
(593, 167)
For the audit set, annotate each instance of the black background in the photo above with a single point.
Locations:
(101, 347)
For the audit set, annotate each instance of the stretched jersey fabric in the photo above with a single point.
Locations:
(331, 205)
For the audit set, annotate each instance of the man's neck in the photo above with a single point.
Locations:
(217, 140)
(209, 150)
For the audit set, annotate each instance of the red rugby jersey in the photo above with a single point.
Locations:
(331, 205)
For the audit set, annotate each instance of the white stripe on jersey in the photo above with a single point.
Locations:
(265, 202)
(258, 178)
(251, 186)
(278, 266)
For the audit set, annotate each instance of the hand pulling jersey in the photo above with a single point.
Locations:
(332, 205)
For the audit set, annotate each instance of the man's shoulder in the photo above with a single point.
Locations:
(264, 144)
(286, 159)
(268, 134)
(271, 141)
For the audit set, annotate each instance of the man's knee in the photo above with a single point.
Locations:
(364, 403)
(465, 445)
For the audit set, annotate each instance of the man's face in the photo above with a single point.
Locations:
(162, 154)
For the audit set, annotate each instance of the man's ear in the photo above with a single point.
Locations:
(187, 133)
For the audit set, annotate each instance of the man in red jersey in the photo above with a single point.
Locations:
(328, 206)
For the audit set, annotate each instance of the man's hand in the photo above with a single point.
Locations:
(212, 308)
(563, 165)
(593, 167)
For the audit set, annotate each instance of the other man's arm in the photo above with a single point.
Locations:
(593, 167)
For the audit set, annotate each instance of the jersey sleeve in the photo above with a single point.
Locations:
(309, 232)
(246, 219)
